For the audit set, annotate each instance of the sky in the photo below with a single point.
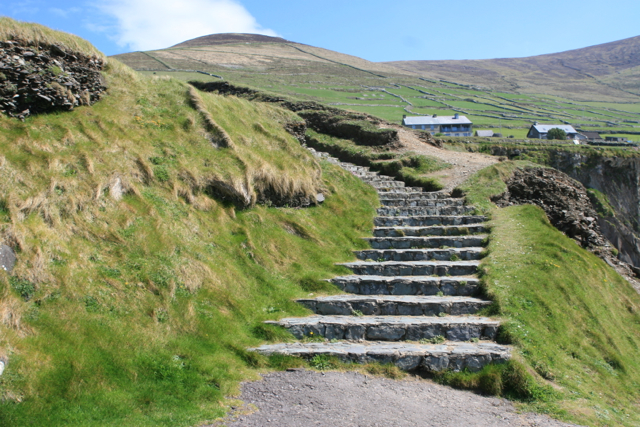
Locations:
(376, 30)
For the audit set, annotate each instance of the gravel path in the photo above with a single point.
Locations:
(464, 164)
(303, 398)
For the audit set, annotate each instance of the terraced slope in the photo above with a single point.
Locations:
(411, 300)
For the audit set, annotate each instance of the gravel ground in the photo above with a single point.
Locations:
(303, 398)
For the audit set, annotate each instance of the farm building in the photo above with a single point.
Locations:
(539, 131)
(615, 139)
(592, 136)
(455, 125)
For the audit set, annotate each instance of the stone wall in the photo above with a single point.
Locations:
(45, 78)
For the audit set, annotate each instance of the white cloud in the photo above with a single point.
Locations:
(156, 24)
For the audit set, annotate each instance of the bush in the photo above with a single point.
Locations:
(556, 133)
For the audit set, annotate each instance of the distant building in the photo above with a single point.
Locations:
(592, 136)
(540, 131)
(615, 139)
(485, 133)
(455, 125)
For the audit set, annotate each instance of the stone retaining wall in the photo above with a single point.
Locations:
(41, 79)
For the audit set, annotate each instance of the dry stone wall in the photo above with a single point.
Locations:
(45, 78)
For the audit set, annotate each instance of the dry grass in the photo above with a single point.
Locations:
(218, 136)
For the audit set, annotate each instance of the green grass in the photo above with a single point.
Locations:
(572, 319)
(408, 167)
(138, 286)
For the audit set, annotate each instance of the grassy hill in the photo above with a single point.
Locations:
(606, 70)
(390, 90)
(139, 283)
(153, 238)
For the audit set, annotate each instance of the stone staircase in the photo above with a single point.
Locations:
(411, 300)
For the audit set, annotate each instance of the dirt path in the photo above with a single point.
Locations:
(347, 399)
(464, 164)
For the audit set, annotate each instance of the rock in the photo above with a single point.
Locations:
(319, 198)
(564, 200)
(40, 79)
(7, 258)
(2, 365)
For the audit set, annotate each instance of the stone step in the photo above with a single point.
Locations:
(408, 285)
(387, 184)
(450, 254)
(409, 242)
(400, 190)
(393, 305)
(413, 268)
(454, 356)
(438, 230)
(390, 328)
(413, 195)
(421, 202)
(427, 220)
(353, 168)
(425, 211)
(377, 178)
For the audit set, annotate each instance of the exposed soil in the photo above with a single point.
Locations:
(303, 398)
(464, 164)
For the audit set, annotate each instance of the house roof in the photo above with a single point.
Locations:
(591, 134)
(547, 128)
(484, 132)
(440, 120)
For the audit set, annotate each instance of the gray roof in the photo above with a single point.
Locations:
(484, 132)
(591, 134)
(547, 128)
(440, 120)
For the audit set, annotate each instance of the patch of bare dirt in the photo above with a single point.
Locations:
(464, 164)
(348, 399)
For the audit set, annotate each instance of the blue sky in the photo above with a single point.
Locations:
(376, 30)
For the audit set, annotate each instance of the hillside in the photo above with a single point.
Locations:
(610, 69)
(157, 226)
(137, 238)
(229, 38)
(390, 90)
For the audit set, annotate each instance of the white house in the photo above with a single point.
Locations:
(455, 125)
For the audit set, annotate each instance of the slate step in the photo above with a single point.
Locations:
(408, 285)
(438, 230)
(424, 210)
(353, 168)
(427, 220)
(451, 254)
(400, 190)
(413, 195)
(413, 268)
(409, 242)
(393, 305)
(390, 328)
(372, 176)
(454, 356)
(387, 184)
(421, 202)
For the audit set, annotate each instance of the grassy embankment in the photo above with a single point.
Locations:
(407, 167)
(137, 290)
(574, 322)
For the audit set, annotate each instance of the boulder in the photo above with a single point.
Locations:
(7, 258)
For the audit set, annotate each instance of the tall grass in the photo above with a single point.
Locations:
(138, 285)
(574, 322)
